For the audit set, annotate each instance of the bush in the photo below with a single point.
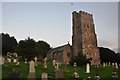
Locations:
(80, 60)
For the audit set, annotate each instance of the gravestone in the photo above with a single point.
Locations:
(3, 60)
(25, 60)
(76, 75)
(66, 69)
(57, 65)
(59, 74)
(14, 60)
(109, 64)
(116, 65)
(8, 54)
(44, 76)
(45, 63)
(14, 75)
(87, 68)
(113, 64)
(9, 59)
(53, 62)
(104, 64)
(17, 63)
(15, 54)
(35, 61)
(32, 67)
(31, 75)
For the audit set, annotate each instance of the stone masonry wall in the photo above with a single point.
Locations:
(84, 37)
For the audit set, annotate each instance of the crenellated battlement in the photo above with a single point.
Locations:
(83, 12)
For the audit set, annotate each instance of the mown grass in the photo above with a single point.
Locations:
(23, 68)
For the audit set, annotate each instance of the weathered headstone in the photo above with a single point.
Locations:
(45, 63)
(8, 54)
(44, 76)
(116, 65)
(59, 74)
(3, 60)
(109, 64)
(32, 67)
(14, 75)
(14, 60)
(104, 64)
(66, 69)
(76, 75)
(113, 64)
(9, 59)
(31, 75)
(57, 65)
(35, 61)
(87, 68)
(15, 54)
(25, 60)
(17, 63)
(53, 62)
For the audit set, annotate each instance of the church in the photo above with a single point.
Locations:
(84, 40)
(61, 54)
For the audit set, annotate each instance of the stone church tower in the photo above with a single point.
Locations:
(84, 38)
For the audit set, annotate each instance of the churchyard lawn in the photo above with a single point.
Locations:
(23, 69)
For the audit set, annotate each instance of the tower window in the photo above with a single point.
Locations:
(87, 26)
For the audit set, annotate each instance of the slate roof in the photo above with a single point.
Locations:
(57, 49)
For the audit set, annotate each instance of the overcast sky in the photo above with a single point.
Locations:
(52, 21)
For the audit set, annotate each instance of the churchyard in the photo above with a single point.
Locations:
(52, 69)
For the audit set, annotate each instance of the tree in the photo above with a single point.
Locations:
(27, 48)
(42, 48)
(107, 55)
(9, 44)
(79, 59)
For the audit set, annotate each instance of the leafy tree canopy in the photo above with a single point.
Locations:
(107, 55)
(9, 43)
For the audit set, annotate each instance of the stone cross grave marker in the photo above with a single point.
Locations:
(57, 65)
(44, 76)
(75, 74)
